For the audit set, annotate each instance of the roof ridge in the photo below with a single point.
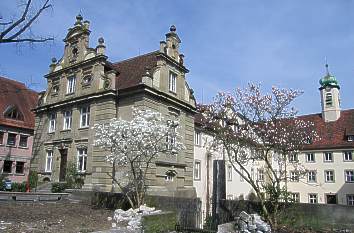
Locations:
(133, 58)
(12, 80)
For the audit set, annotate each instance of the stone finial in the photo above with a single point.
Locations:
(100, 40)
(53, 64)
(173, 28)
(101, 48)
(54, 60)
(79, 18)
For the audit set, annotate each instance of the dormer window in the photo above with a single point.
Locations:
(12, 112)
(55, 89)
(329, 99)
(172, 82)
(71, 85)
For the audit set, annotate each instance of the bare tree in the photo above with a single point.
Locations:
(250, 126)
(19, 30)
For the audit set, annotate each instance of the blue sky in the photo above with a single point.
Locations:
(227, 43)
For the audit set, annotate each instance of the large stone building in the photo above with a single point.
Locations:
(16, 129)
(85, 88)
(328, 161)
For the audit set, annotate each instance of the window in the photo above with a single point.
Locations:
(310, 157)
(312, 198)
(85, 117)
(11, 139)
(348, 156)
(197, 138)
(197, 172)
(349, 176)
(20, 167)
(311, 176)
(328, 157)
(294, 176)
(12, 112)
(1, 137)
(295, 197)
(49, 161)
(52, 118)
(169, 177)
(293, 157)
(260, 173)
(67, 120)
(23, 140)
(7, 167)
(171, 139)
(329, 176)
(70, 88)
(350, 138)
(81, 159)
(229, 173)
(172, 82)
(350, 199)
(329, 99)
(241, 178)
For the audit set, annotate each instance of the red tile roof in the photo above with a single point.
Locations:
(13, 93)
(130, 71)
(332, 135)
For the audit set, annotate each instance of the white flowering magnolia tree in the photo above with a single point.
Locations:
(250, 126)
(133, 146)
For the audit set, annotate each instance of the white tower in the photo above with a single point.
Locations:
(330, 99)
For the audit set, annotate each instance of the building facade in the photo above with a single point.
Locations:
(85, 88)
(328, 161)
(16, 129)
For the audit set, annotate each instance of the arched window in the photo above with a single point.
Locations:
(329, 99)
(12, 112)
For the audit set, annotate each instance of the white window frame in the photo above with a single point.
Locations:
(328, 176)
(350, 199)
(85, 117)
(15, 140)
(313, 198)
(197, 170)
(310, 158)
(67, 119)
(82, 153)
(349, 176)
(346, 157)
(71, 84)
(260, 175)
(197, 138)
(49, 161)
(295, 197)
(325, 158)
(19, 141)
(52, 122)
(172, 82)
(293, 158)
(294, 177)
(312, 174)
(229, 172)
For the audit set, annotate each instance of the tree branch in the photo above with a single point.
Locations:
(26, 40)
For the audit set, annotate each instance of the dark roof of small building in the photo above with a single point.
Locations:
(14, 94)
(131, 71)
(332, 135)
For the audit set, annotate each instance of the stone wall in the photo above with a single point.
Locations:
(297, 214)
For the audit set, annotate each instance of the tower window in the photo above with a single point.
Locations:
(172, 82)
(329, 99)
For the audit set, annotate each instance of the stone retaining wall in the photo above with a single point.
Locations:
(18, 196)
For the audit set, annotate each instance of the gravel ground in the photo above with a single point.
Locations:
(52, 217)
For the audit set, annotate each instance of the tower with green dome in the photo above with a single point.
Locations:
(330, 99)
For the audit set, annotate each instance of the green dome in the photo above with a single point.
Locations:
(329, 80)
